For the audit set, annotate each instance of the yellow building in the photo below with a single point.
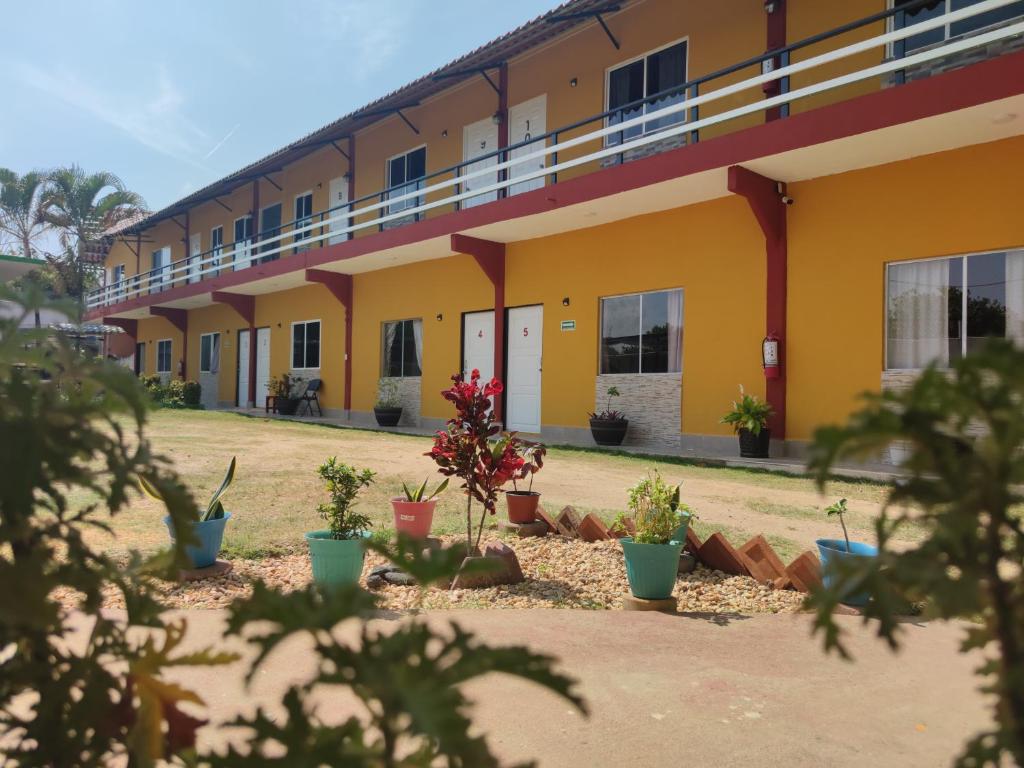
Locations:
(628, 194)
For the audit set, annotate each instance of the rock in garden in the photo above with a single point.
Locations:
(380, 570)
(219, 568)
(399, 578)
(513, 573)
(524, 530)
(374, 581)
(551, 523)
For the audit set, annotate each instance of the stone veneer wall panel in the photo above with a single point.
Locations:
(651, 401)
(409, 396)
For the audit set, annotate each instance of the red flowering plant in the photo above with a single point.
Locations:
(473, 449)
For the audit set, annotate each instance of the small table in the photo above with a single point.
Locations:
(271, 404)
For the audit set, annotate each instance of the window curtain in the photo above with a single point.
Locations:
(1015, 297)
(675, 331)
(918, 314)
(215, 354)
(417, 334)
(390, 331)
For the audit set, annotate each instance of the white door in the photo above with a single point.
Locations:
(479, 139)
(243, 369)
(194, 249)
(478, 344)
(522, 399)
(339, 196)
(262, 366)
(525, 121)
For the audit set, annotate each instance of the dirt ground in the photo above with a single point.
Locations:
(276, 490)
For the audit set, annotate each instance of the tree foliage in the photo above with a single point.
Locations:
(82, 688)
(964, 433)
(21, 209)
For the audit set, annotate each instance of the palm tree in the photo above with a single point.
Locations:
(84, 205)
(21, 208)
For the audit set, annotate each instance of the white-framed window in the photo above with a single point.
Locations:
(306, 344)
(216, 245)
(640, 78)
(642, 333)
(947, 31)
(405, 173)
(209, 353)
(163, 356)
(938, 310)
(303, 218)
(402, 348)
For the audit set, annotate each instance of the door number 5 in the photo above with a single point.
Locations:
(526, 331)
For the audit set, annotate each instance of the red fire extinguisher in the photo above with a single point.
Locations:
(770, 356)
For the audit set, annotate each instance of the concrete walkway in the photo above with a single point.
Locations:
(685, 690)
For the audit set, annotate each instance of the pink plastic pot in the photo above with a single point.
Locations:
(413, 517)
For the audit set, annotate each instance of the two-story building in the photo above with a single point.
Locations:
(631, 193)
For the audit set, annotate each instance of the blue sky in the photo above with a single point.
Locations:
(171, 96)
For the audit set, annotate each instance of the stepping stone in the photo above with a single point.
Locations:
(219, 568)
(523, 530)
(507, 570)
(666, 605)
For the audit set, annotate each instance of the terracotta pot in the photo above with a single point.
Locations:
(522, 506)
(413, 517)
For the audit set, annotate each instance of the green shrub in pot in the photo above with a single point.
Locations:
(652, 552)
(337, 553)
(748, 418)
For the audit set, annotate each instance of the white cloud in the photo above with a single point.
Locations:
(369, 33)
(156, 118)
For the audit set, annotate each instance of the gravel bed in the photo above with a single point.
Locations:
(560, 573)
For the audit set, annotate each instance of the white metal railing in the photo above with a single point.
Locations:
(247, 252)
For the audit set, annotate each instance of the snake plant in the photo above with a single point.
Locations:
(215, 509)
(420, 494)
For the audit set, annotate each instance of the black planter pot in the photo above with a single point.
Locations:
(608, 431)
(754, 446)
(287, 406)
(387, 417)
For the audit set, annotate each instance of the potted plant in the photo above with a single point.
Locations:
(749, 420)
(609, 427)
(337, 553)
(388, 408)
(414, 511)
(834, 553)
(472, 448)
(283, 390)
(652, 552)
(209, 528)
(522, 505)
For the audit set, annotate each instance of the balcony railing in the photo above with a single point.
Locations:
(541, 159)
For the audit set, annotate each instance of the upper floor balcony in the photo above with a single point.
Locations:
(880, 53)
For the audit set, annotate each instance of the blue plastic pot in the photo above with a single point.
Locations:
(680, 534)
(651, 568)
(336, 561)
(833, 552)
(210, 534)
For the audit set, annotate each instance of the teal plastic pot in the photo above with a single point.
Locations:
(680, 534)
(834, 551)
(210, 534)
(336, 561)
(651, 568)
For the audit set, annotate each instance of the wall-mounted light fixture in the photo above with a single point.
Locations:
(278, 325)
(574, 82)
(496, 118)
(769, 6)
(444, 134)
(440, 317)
(565, 302)
(347, 176)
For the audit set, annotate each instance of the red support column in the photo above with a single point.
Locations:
(342, 287)
(765, 197)
(490, 256)
(775, 23)
(245, 306)
(179, 319)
